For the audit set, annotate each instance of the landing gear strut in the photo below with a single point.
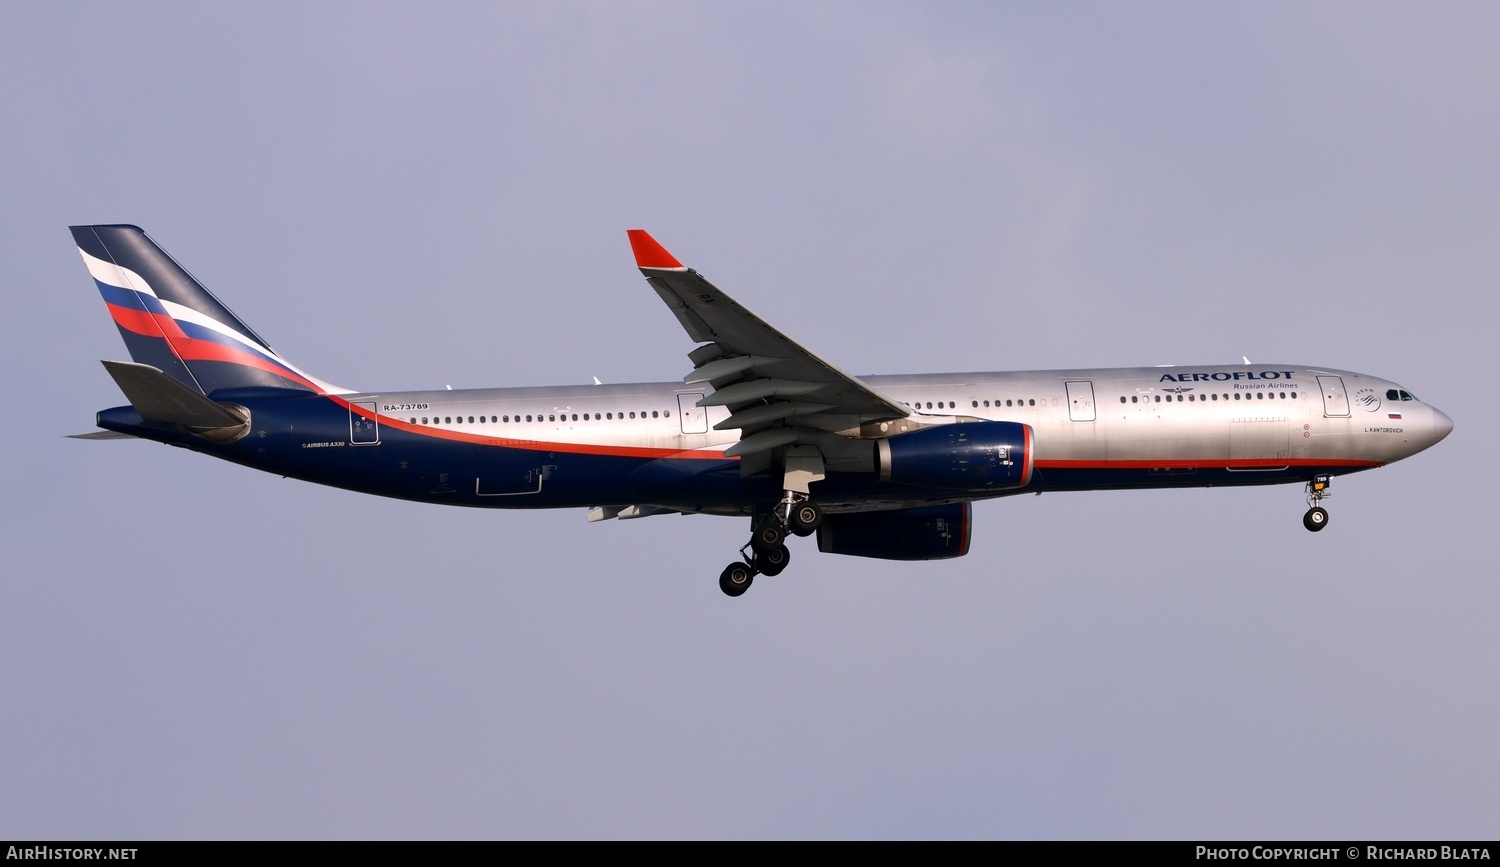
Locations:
(766, 553)
(1317, 516)
(795, 513)
(737, 577)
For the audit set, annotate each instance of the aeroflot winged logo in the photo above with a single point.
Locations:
(1224, 376)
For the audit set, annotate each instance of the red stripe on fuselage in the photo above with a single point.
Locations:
(530, 445)
(1204, 464)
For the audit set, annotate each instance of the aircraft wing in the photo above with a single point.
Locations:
(767, 380)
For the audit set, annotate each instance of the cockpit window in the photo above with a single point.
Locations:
(1406, 395)
(1392, 394)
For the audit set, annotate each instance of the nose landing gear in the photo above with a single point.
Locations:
(1317, 516)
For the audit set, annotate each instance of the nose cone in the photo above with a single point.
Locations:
(1442, 425)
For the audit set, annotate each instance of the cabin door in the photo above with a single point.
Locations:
(1335, 399)
(1081, 401)
(694, 419)
(364, 430)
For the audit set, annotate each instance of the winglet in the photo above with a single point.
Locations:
(648, 253)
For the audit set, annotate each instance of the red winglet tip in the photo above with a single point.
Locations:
(648, 253)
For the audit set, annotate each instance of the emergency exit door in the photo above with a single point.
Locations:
(1081, 401)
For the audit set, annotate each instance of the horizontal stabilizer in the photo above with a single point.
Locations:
(102, 435)
(160, 398)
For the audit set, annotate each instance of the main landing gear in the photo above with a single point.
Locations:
(1317, 516)
(766, 553)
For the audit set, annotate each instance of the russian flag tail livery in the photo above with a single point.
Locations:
(171, 322)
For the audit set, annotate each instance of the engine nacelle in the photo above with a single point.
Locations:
(924, 533)
(978, 456)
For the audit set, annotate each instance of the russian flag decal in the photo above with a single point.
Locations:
(1395, 415)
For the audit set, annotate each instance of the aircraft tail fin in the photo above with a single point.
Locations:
(171, 323)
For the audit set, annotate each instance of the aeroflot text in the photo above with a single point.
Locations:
(1372, 853)
(1224, 376)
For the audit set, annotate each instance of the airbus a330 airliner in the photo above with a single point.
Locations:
(876, 466)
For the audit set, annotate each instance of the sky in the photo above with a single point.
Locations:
(404, 195)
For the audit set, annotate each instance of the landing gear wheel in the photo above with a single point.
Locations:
(768, 536)
(735, 579)
(1315, 519)
(806, 516)
(773, 561)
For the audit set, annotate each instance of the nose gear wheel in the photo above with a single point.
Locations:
(1317, 516)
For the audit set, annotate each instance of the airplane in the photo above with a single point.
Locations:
(875, 466)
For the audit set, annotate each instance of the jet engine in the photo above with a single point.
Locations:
(924, 533)
(976, 457)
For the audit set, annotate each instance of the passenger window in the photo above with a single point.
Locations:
(1122, 398)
